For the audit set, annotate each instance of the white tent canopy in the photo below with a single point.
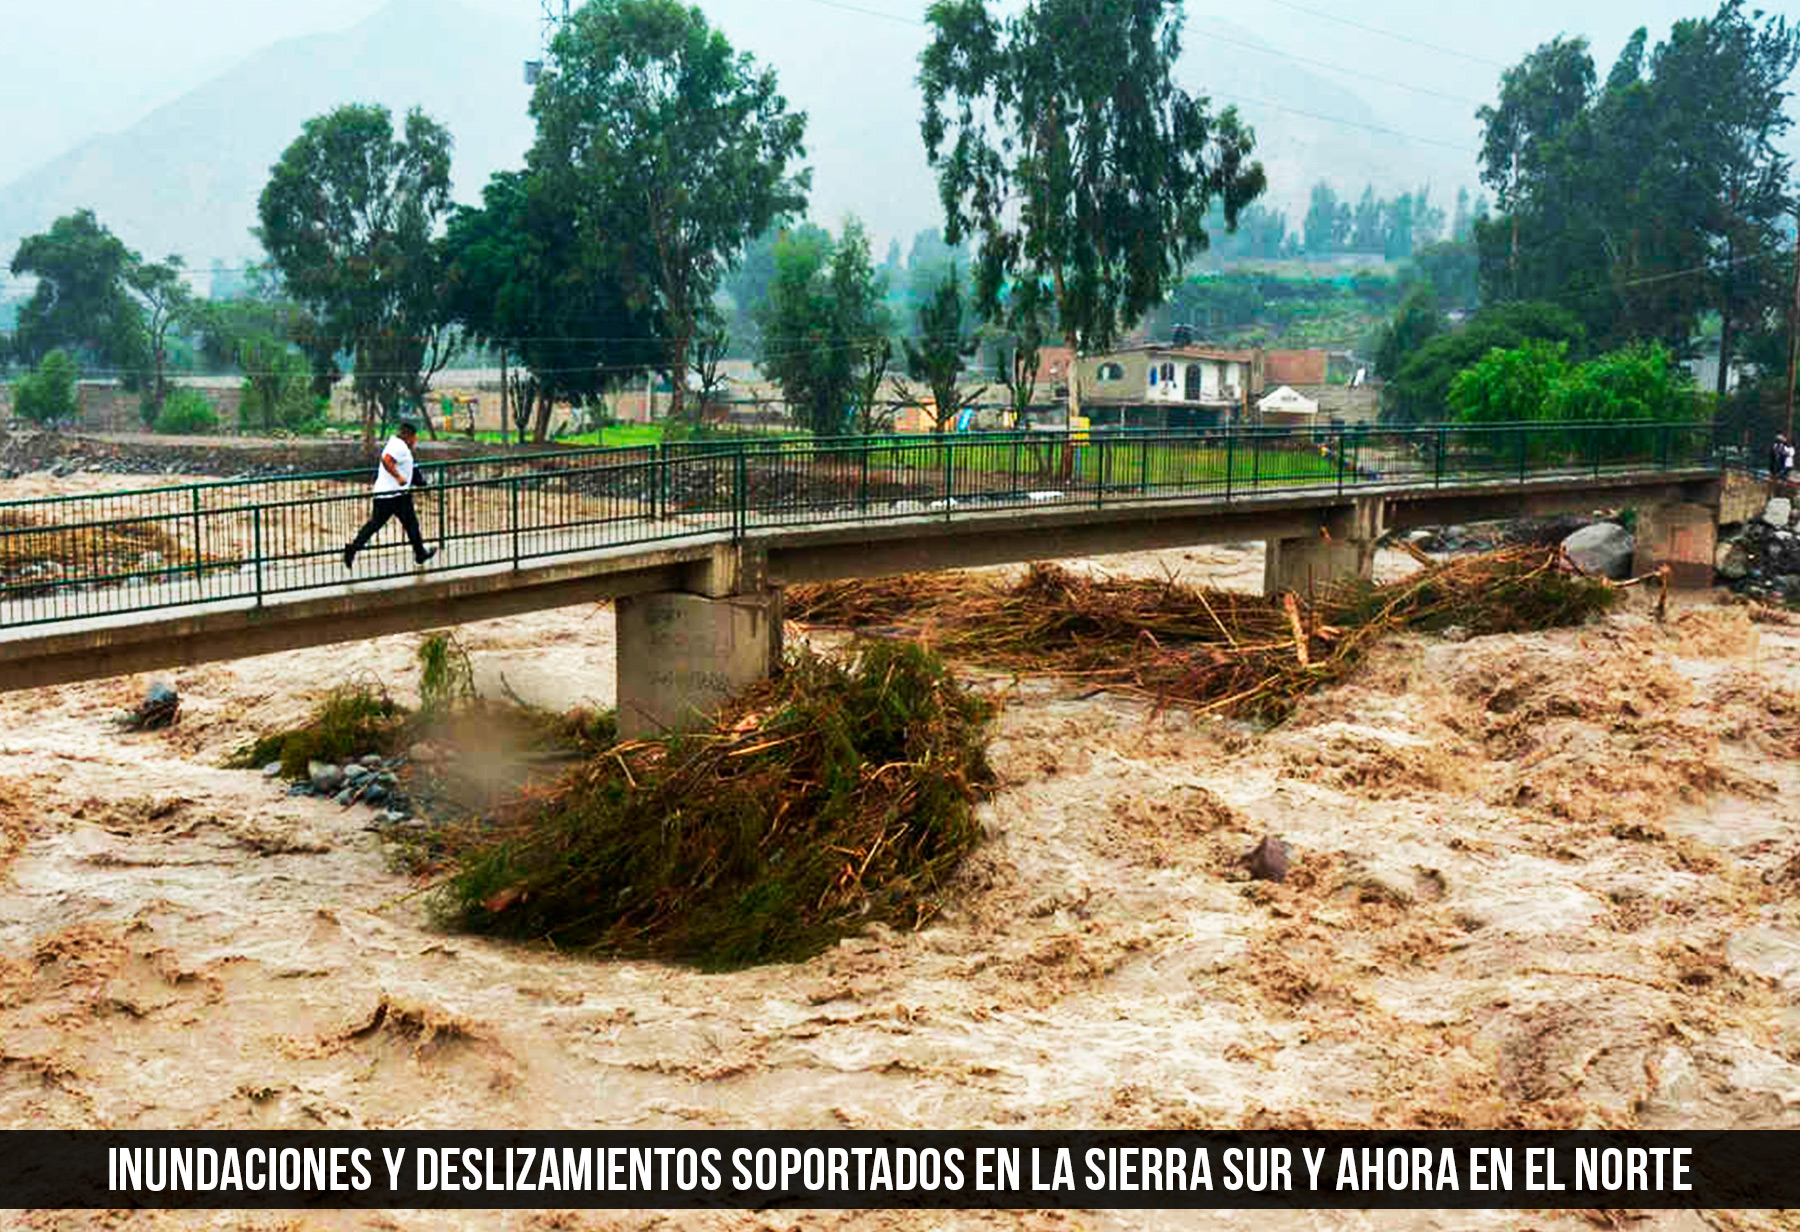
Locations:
(1284, 401)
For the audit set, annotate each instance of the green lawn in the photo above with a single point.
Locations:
(614, 436)
(1114, 463)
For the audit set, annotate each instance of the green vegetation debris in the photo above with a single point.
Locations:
(351, 721)
(824, 799)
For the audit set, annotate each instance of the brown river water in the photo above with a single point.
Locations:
(1539, 881)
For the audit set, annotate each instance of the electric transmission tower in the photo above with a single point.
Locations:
(556, 12)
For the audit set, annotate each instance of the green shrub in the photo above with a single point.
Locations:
(186, 412)
(277, 388)
(351, 721)
(48, 394)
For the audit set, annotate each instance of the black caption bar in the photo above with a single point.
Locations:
(923, 1169)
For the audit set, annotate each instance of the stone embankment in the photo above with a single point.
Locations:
(1762, 557)
(64, 454)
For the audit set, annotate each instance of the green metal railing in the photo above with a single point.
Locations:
(78, 557)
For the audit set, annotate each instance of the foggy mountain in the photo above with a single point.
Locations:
(186, 177)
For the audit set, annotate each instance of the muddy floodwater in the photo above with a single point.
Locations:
(1538, 881)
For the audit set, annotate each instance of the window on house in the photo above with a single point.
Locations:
(1153, 376)
(1112, 372)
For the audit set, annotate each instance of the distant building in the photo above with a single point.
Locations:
(1285, 408)
(1296, 367)
(1162, 385)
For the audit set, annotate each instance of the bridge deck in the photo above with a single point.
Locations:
(253, 578)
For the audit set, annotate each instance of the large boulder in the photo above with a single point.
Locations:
(1605, 548)
(1731, 561)
(1778, 511)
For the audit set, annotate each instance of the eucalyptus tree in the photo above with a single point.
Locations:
(350, 217)
(672, 151)
(1062, 142)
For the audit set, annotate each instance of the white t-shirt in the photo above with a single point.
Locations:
(386, 484)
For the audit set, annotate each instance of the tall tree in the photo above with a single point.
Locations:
(83, 301)
(1328, 220)
(1018, 339)
(1653, 199)
(823, 329)
(1060, 138)
(163, 291)
(936, 356)
(519, 279)
(672, 150)
(348, 217)
(1366, 231)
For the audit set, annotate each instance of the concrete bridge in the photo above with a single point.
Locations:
(695, 545)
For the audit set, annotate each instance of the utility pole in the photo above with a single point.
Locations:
(1794, 330)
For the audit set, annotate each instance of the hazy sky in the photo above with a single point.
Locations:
(71, 70)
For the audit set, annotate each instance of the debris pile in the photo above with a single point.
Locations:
(823, 800)
(1220, 651)
(160, 708)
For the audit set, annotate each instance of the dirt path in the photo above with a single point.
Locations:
(1539, 881)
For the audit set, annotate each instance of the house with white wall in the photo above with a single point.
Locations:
(1164, 385)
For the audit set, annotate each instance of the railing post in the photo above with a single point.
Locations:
(256, 549)
(1143, 464)
(1230, 453)
(199, 573)
(441, 501)
(1255, 460)
(512, 483)
(1523, 433)
(862, 483)
(1437, 480)
(659, 483)
(1662, 448)
(944, 445)
(740, 494)
(1338, 448)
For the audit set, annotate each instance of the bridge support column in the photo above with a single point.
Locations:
(1306, 565)
(681, 655)
(1344, 548)
(1684, 537)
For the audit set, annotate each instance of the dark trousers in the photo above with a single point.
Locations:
(397, 506)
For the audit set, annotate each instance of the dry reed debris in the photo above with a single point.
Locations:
(1219, 651)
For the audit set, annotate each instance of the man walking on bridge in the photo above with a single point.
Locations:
(395, 479)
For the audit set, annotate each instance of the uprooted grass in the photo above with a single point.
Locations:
(1217, 650)
(823, 799)
(353, 719)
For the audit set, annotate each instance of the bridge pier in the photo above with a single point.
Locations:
(1343, 548)
(1308, 565)
(681, 653)
(1684, 537)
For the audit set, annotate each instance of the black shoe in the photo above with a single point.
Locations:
(429, 553)
(347, 555)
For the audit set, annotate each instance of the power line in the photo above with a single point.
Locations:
(1338, 68)
(1404, 38)
(1394, 132)
(851, 8)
